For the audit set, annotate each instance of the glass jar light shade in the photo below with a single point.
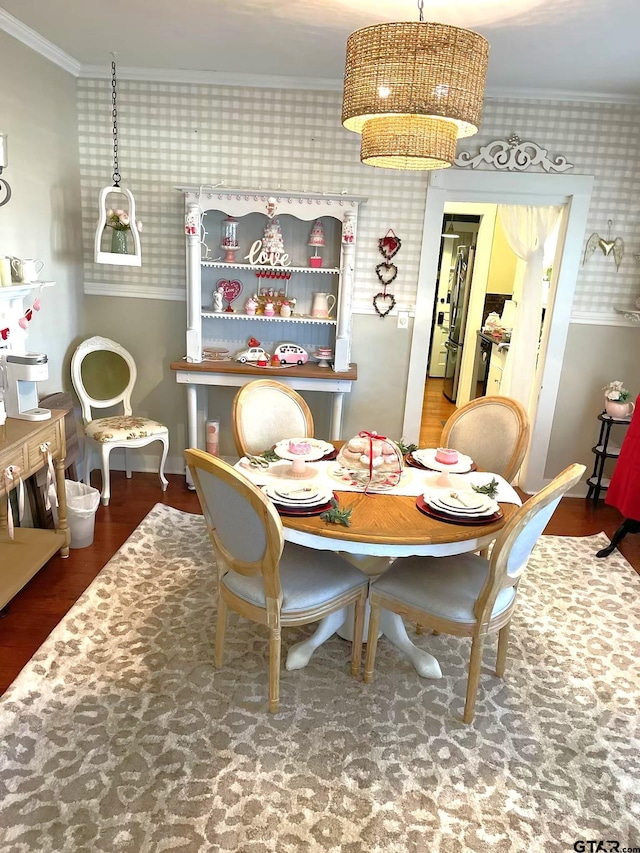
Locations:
(230, 238)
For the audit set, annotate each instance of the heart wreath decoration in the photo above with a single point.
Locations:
(389, 245)
(383, 303)
(386, 272)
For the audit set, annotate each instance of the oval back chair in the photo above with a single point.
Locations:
(265, 411)
(114, 376)
(493, 431)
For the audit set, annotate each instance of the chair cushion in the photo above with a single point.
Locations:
(308, 578)
(442, 586)
(122, 428)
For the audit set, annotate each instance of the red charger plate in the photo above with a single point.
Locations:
(456, 519)
(291, 511)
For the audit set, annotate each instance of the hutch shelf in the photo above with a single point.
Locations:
(295, 275)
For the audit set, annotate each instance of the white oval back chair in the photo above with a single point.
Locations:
(106, 434)
(468, 595)
(264, 412)
(262, 577)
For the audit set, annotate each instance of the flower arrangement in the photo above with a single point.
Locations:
(615, 392)
(119, 220)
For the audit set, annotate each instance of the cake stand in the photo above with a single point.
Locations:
(299, 469)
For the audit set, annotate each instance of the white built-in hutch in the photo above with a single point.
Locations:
(214, 336)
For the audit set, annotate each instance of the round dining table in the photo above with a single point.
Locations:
(382, 528)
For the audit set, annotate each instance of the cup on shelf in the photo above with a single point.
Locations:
(27, 270)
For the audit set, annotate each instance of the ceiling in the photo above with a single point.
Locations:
(582, 46)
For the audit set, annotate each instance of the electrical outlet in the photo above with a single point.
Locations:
(403, 319)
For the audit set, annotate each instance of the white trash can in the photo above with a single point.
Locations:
(82, 504)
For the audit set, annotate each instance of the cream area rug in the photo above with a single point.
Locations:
(119, 735)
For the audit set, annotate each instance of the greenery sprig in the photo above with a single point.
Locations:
(270, 455)
(335, 515)
(490, 489)
(406, 448)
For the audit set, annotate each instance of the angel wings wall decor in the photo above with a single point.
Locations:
(596, 241)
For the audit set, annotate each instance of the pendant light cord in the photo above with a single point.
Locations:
(114, 113)
(421, 10)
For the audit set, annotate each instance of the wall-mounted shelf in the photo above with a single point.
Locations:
(21, 289)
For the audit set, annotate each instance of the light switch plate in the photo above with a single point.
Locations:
(403, 319)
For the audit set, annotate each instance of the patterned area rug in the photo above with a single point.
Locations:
(119, 735)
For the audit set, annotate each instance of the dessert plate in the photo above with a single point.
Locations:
(318, 449)
(487, 509)
(427, 458)
(296, 497)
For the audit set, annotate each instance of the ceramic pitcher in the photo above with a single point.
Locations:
(321, 305)
(27, 270)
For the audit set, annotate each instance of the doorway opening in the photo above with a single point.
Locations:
(459, 187)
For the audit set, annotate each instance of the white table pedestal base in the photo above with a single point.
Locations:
(391, 626)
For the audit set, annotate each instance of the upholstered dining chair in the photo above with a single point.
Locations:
(271, 582)
(103, 374)
(468, 595)
(265, 411)
(493, 431)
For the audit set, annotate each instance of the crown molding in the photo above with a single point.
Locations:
(214, 78)
(498, 93)
(13, 27)
(596, 318)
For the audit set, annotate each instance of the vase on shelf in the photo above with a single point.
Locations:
(619, 409)
(119, 242)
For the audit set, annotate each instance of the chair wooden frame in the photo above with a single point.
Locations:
(513, 466)
(268, 567)
(239, 403)
(88, 403)
(497, 579)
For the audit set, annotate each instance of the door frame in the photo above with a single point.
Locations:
(459, 185)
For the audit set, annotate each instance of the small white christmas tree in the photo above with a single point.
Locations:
(272, 242)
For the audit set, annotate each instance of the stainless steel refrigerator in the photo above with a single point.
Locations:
(459, 299)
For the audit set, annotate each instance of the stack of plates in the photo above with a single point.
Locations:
(427, 459)
(462, 506)
(296, 498)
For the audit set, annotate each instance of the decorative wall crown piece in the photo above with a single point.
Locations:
(596, 241)
(513, 155)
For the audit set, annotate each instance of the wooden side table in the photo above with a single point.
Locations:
(603, 450)
(25, 447)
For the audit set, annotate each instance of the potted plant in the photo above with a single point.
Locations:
(616, 400)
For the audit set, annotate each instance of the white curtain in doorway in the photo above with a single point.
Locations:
(526, 228)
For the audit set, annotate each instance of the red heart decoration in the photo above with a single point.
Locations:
(4, 333)
(230, 289)
(389, 245)
(28, 313)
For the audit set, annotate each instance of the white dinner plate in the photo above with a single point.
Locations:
(319, 496)
(462, 499)
(427, 457)
(488, 506)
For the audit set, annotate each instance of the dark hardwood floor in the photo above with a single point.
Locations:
(38, 608)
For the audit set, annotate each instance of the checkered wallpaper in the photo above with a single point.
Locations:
(172, 134)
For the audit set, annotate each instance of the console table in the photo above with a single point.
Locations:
(306, 377)
(25, 447)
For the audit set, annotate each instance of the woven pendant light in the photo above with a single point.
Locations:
(412, 89)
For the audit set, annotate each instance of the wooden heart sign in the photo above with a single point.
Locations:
(386, 272)
(383, 303)
(389, 245)
(230, 289)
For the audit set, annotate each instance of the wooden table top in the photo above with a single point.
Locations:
(393, 520)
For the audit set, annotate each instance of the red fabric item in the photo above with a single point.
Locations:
(624, 489)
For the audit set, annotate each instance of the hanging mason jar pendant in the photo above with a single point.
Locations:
(119, 242)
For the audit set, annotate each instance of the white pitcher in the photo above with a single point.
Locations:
(27, 270)
(321, 305)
